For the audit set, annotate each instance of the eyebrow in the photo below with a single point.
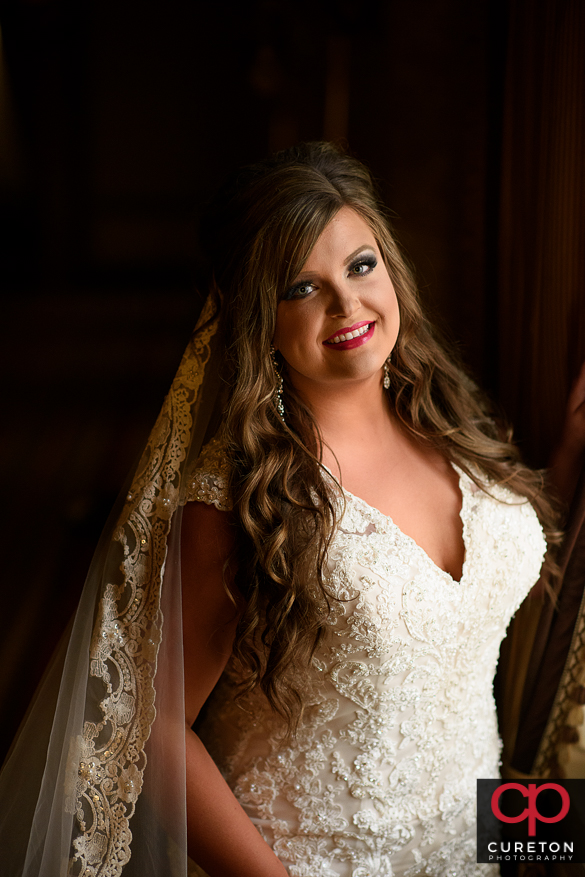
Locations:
(357, 252)
(300, 278)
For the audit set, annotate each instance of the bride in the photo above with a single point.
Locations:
(342, 535)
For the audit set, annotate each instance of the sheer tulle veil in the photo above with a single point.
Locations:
(95, 781)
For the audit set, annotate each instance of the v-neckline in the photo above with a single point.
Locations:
(463, 487)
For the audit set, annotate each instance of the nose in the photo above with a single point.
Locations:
(343, 300)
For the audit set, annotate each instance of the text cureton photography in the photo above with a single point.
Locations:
(531, 851)
(533, 820)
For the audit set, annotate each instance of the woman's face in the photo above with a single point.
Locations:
(339, 320)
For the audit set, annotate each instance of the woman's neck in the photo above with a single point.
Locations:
(351, 416)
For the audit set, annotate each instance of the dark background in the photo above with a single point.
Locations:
(119, 119)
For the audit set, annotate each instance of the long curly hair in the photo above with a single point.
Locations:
(258, 235)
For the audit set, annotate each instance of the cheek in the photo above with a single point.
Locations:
(280, 333)
(394, 309)
(293, 328)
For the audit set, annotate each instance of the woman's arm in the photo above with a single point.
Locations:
(221, 838)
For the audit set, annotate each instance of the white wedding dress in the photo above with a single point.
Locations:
(399, 716)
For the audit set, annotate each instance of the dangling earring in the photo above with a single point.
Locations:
(279, 404)
(386, 380)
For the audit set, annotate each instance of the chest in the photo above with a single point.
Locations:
(389, 587)
(422, 496)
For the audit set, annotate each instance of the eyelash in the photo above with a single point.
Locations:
(292, 292)
(368, 262)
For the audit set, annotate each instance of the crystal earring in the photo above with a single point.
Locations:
(386, 380)
(279, 404)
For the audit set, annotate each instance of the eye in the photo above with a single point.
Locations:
(362, 266)
(301, 290)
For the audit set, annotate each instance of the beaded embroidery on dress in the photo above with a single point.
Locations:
(400, 717)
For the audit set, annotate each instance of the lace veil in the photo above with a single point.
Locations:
(95, 782)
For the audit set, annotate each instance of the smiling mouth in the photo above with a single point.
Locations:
(348, 336)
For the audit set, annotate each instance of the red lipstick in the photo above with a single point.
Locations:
(350, 343)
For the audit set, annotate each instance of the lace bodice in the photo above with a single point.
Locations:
(400, 717)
